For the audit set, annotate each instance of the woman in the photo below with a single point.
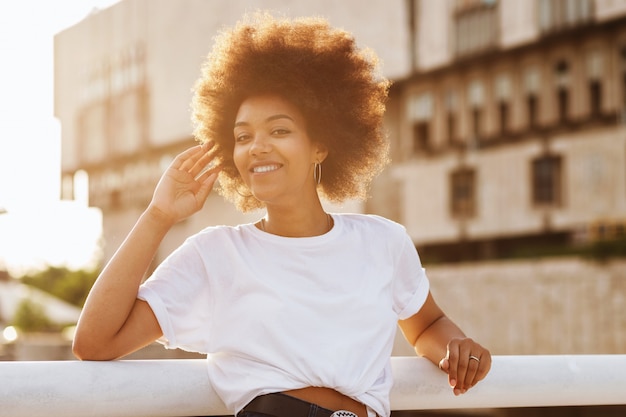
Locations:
(297, 311)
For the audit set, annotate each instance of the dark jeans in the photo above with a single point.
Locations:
(281, 405)
(312, 413)
(248, 414)
(252, 414)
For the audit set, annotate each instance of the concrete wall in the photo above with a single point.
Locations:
(544, 306)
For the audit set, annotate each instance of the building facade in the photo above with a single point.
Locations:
(123, 81)
(507, 122)
(507, 118)
(510, 132)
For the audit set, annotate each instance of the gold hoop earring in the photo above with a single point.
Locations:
(243, 195)
(317, 173)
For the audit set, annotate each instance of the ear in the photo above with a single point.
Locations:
(321, 152)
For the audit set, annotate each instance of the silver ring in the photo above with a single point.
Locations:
(475, 358)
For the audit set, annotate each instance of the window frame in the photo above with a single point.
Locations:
(462, 197)
(547, 181)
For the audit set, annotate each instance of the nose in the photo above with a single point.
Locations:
(260, 144)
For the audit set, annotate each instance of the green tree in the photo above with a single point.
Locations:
(71, 286)
(31, 317)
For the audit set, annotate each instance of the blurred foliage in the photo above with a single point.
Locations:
(31, 317)
(605, 249)
(69, 285)
(599, 250)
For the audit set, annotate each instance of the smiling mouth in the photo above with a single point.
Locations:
(265, 168)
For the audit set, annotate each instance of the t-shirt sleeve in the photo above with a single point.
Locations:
(178, 293)
(411, 285)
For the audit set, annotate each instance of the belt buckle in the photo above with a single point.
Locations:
(343, 413)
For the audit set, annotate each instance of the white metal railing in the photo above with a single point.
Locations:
(181, 387)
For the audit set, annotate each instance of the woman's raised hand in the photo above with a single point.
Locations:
(186, 184)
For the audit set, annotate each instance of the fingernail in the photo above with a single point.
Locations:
(453, 383)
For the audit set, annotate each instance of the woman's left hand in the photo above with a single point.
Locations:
(466, 362)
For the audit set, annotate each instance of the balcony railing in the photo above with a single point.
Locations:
(181, 387)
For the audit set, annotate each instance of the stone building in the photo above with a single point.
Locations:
(508, 128)
(510, 131)
(123, 80)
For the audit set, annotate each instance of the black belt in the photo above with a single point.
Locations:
(282, 405)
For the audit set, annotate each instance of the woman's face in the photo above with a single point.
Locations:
(273, 152)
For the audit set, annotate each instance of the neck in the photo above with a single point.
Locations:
(311, 223)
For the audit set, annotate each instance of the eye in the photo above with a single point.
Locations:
(280, 131)
(241, 137)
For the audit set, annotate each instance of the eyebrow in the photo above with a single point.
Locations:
(269, 119)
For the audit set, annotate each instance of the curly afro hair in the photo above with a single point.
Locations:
(336, 85)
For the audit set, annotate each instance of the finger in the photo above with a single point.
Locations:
(452, 358)
(483, 369)
(444, 364)
(184, 156)
(473, 363)
(203, 165)
(205, 188)
(204, 160)
(462, 368)
(191, 163)
(204, 175)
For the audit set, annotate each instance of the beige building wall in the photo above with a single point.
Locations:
(548, 306)
(540, 307)
(124, 79)
(591, 147)
(594, 188)
(146, 55)
(173, 39)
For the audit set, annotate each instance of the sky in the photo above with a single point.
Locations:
(36, 228)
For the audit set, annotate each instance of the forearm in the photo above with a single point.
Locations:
(113, 296)
(436, 337)
(433, 341)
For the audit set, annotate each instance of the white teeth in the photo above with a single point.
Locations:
(264, 168)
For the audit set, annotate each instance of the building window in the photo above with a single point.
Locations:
(546, 176)
(451, 111)
(128, 121)
(503, 96)
(451, 128)
(623, 69)
(595, 98)
(503, 113)
(475, 25)
(477, 118)
(420, 114)
(93, 130)
(476, 100)
(531, 86)
(462, 193)
(563, 104)
(531, 104)
(555, 15)
(421, 137)
(594, 73)
(562, 77)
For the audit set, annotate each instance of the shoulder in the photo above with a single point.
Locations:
(373, 227)
(371, 221)
(221, 233)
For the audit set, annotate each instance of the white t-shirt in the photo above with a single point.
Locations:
(275, 313)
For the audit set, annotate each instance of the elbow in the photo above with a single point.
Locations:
(85, 349)
(82, 352)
